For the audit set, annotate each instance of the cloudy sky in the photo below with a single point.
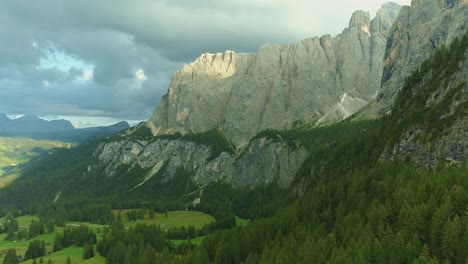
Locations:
(98, 61)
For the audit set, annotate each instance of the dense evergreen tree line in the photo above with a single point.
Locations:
(138, 244)
(221, 200)
(36, 249)
(77, 236)
(146, 244)
(10, 226)
(36, 228)
(389, 214)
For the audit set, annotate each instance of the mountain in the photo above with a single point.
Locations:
(108, 129)
(91, 133)
(370, 201)
(3, 119)
(317, 80)
(418, 30)
(34, 127)
(184, 135)
(202, 129)
(387, 188)
(428, 124)
(353, 198)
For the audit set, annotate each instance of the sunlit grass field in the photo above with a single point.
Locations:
(17, 150)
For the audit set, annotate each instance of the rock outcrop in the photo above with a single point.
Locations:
(317, 80)
(262, 162)
(416, 33)
(432, 111)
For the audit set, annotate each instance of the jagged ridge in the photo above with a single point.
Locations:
(243, 94)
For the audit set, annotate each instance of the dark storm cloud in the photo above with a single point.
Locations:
(113, 40)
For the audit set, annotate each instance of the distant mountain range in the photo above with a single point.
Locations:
(33, 127)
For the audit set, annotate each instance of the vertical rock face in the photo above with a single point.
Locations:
(448, 98)
(317, 80)
(416, 33)
(263, 161)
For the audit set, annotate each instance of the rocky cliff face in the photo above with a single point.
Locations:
(432, 110)
(416, 33)
(317, 80)
(262, 162)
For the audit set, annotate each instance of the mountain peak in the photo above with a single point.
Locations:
(218, 64)
(385, 17)
(29, 117)
(360, 20)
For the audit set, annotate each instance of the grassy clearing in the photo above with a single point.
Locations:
(24, 221)
(57, 257)
(75, 254)
(195, 241)
(21, 246)
(6, 179)
(173, 219)
(241, 221)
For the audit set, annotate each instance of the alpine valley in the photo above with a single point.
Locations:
(344, 149)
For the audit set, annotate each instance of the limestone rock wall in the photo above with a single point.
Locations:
(262, 162)
(416, 33)
(243, 94)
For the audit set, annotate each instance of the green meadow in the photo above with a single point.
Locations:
(17, 150)
(173, 219)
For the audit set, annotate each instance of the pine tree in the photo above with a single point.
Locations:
(58, 242)
(451, 239)
(10, 257)
(200, 256)
(88, 251)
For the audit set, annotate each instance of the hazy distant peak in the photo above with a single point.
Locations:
(385, 17)
(390, 6)
(29, 117)
(360, 19)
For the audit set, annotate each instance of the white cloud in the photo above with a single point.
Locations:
(87, 75)
(46, 84)
(140, 75)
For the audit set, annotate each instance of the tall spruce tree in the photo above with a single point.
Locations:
(10, 257)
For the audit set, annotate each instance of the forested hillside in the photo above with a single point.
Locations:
(353, 200)
(356, 207)
(358, 210)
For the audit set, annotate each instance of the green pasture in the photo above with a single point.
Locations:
(173, 219)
